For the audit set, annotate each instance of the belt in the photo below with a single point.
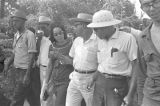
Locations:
(114, 76)
(20, 68)
(43, 65)
(85, 71)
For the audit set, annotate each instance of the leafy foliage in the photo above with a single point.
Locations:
(59, 11)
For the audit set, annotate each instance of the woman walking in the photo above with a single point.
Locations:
(60, 65)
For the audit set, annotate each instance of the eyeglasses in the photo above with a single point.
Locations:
(60, 33)
(154, 4)
(78, 24)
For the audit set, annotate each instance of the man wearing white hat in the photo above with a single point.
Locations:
(43, 44)
(84, 54)
(117, 52)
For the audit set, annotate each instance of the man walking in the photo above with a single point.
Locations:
(24, 49)
(148, 57)
(117, 51)
(44, 43)
(84, 54)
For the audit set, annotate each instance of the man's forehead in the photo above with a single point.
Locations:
(43, 24)
(16, 19)
(57, 29)
(79, 22)
(146, 1)
(76, 23)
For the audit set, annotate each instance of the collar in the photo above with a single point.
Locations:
(146, 34)
(92, 37)
(116, 34)
(17, 34)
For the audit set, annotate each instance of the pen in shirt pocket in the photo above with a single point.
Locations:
(113, 50)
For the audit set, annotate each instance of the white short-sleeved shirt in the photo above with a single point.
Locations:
(84, 54)
(116, 54)
(44, 49)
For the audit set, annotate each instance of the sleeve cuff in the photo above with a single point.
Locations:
(133, 58)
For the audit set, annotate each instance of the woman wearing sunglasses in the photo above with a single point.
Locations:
(60, 65)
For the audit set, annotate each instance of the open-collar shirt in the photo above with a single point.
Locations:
(116, 54)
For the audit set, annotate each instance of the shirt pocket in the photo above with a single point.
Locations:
(21, 45)
(117, 57)
(152, 86)
(148, 57)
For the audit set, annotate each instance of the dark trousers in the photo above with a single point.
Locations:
(104, 94)
(140, 85)
(60, 93)
(31, 92)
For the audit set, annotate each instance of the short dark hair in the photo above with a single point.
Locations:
(54, 25)
(32, 29)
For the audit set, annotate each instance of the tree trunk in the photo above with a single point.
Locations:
(2, 13)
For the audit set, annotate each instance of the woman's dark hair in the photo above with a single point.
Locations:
(32, 29)
(54, 25)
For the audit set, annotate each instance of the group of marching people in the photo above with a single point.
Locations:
(102, 66)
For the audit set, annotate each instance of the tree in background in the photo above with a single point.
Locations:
(61, 10)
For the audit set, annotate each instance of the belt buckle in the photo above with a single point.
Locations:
(109, 76)
(84, 72)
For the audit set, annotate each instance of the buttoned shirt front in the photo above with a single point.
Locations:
(116, 54)
(149, 61)
(84, 54)
(44, 49)
(22, 46)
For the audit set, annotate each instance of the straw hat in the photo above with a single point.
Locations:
(44, 19)
(19, 14)
(103, 18)
(82, 17)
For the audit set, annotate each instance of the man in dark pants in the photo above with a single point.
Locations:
(148, 58)
(117, 51)
(24, 50)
